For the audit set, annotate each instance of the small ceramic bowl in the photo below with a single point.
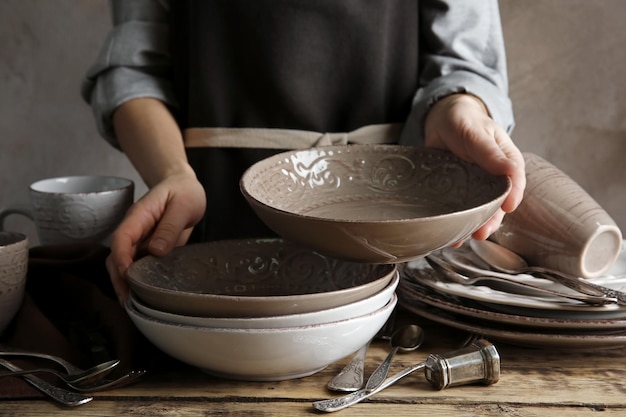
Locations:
(252, 278)
(372, 203)
(357, 308)
(13, 268)
(262, 354)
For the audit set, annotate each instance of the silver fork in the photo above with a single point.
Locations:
(61, 395)
(92, 385)
(351, 377)
(451, 273)
(86, 377)
(106, 384)
(70, 368)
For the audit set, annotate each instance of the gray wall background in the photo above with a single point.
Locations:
(567, 66)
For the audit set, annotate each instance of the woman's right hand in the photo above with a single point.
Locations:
(162, 219)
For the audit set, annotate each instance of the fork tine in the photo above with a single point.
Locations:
(123, 380)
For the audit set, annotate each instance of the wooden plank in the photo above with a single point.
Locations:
(533, 383)
(528, 377)
(128, 408)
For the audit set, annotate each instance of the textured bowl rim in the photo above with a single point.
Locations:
(392, 286)
(245, 178)
(390, 305)
(166, 291)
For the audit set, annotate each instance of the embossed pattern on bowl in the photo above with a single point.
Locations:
(252, 278)
(372, 203)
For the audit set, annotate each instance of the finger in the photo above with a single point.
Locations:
(169, 231)
(125, 243)
(120, 286)
(516, 171)
(490, 226)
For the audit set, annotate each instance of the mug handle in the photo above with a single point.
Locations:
(22, 210)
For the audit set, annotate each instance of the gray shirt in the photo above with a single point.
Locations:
(461, 50)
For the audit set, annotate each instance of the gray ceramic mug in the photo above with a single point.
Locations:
(75, 209)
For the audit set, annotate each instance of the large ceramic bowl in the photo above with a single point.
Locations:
(357, 308)
(252, 278)
(372, 203)
(262, 354)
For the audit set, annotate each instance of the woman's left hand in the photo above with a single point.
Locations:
(460, 123)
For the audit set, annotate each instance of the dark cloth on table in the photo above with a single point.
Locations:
(70, 310)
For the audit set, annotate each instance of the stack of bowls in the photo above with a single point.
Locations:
(258, 309)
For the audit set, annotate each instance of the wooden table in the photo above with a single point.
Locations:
(533, 382)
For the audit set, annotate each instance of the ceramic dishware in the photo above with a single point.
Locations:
(75, 209)
(262, 354)
(357, 308)
(559, 225)
(252, 278)
(372, 203)
(13, 268)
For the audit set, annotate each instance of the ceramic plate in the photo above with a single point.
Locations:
(410, 292)
(552, 307)
(536, 339)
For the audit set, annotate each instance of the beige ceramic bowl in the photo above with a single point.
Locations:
(13, 268)
(372, 203)
(357, 308)
(262, 354)
(252, 278)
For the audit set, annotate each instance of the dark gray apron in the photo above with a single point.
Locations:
(285, 67)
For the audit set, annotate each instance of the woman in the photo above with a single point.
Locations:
(195, 91)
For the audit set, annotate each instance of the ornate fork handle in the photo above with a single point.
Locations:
(61, 395)
(450, 271)
(580, 284)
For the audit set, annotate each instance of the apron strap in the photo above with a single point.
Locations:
(262, 138)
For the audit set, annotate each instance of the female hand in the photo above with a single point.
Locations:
(162, 219)
(461, 124)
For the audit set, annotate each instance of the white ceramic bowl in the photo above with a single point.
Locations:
(262, 354)
(347, 311)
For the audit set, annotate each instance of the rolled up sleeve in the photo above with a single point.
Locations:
(133, 62)
(462, 51)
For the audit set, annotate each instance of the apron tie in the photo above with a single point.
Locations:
(263, 138)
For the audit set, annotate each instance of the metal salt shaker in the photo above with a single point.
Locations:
(478, 362)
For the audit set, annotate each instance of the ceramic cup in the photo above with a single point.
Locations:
(13, 266)
(75, 209)
(559, 225)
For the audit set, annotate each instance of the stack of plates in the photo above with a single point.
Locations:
(533, 320)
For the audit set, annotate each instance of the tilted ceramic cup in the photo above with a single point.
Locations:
(75, 209)
(13, 267)
(559, 225)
